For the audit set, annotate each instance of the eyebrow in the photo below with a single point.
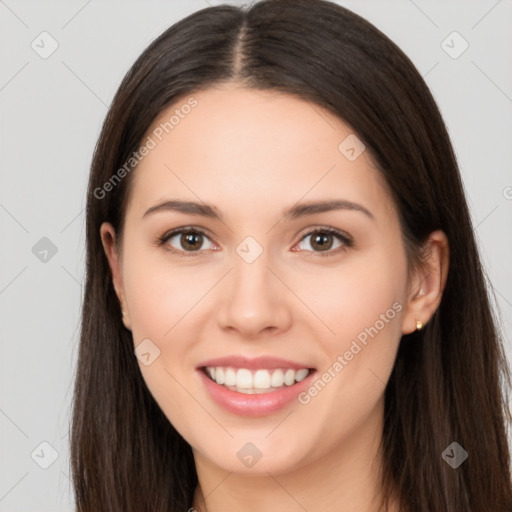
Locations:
(296, 211)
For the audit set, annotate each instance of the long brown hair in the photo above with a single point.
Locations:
(450, 381)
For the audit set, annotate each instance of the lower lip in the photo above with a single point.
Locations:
(254, 405)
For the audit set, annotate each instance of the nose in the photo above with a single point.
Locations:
(254, 300)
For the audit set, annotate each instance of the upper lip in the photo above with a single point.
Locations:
(262, 362)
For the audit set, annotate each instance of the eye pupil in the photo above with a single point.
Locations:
(320, 240)
(189, 239)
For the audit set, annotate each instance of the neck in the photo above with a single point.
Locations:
(345, 478)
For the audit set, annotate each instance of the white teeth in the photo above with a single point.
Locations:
(247, 381)
(219, 375)
(289, 377)
(301, 374)
(243, 379)
(230, 377)
(261, 379)
(277, 379)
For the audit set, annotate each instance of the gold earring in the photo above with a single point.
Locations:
(419, 325)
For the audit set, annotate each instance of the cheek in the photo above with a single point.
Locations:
(161, 294)
(365, 291)
(161, 299)
(164, 299)
(362, 305)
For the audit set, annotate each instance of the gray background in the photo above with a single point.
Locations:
(51, 113)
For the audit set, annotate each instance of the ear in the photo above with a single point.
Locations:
(108, 239)
(428, 283)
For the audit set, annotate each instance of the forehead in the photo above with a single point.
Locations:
(253, 146)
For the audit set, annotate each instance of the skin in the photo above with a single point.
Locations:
(253, 154)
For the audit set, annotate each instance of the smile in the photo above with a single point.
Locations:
(257, 391)
(255, 381)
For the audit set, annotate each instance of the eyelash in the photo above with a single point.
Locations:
(345, 239)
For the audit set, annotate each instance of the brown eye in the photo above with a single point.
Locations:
(189, 240)
(323, 240)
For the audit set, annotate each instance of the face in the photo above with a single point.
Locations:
(262, 291)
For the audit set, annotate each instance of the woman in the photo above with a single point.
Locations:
(285, 308)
